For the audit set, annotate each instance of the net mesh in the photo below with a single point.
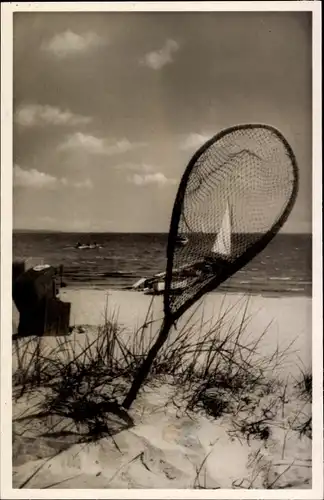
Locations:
(237, 190)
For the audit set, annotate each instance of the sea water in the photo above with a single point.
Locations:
(283, 268)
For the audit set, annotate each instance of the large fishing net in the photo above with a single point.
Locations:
(236, 190)
(234, 196)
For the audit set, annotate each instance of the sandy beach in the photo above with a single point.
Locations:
(166, 447)
(287, 319)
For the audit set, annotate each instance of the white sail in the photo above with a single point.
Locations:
(222, 245)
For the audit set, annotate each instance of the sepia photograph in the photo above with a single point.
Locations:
(161, 249)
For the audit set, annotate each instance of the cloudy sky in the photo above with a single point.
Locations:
(109, 108)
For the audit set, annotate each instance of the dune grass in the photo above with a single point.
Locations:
(211, 365)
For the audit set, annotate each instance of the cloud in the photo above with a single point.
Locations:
(40, 180)
(136, 167)
(144, 174)
(33, 178)
(68, 43)
(159, 58)
(38, 114)
(157, 178)
(97, 146)
(194, 141)
(86, 184)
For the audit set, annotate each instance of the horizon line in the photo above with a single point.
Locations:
(61, 231)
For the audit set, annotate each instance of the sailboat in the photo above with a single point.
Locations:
(221, 251)
(219, 256)
(223, 244)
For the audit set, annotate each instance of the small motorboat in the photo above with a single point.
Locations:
(89, 246)
(156, 285)
(158, 288)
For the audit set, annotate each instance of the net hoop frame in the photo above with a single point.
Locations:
(252, 250)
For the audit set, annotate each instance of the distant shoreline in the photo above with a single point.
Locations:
(219, 291)
(50, 231)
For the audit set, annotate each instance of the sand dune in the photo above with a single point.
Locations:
(167, 448)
